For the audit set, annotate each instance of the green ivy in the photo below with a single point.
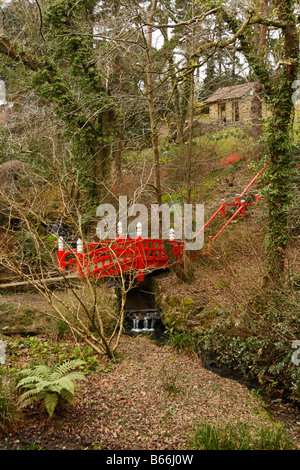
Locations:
(67, 76)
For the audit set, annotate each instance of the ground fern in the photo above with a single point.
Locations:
(49, 385)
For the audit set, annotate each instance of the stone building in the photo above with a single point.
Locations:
(232, 103)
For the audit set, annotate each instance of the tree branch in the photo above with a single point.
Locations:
(7, 49)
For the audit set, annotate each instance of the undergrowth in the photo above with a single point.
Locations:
(8, 406)
(259, 342)
(37, 349)
(239, 436)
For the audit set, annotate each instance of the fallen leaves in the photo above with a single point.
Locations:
(130, 408)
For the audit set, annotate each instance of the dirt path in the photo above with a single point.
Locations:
(152, 399)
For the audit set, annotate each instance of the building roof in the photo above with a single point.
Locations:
(230, 92)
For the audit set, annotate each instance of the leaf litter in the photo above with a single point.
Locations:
(152, 399)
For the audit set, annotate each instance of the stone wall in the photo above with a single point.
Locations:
(213, 112)
(244, 110)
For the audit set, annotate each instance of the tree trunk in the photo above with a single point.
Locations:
(157, 181)
(280, 192)
(278, 90)
(150, 86)
(118, 157)
(282, 165)
(256, 112)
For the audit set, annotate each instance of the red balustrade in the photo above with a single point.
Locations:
(112, 257)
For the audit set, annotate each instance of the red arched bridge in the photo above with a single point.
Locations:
(111, 257)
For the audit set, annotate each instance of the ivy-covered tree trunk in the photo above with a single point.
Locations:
(280, 145)
(281, 166)
(277, 89)
(64, 72)
(256, 112)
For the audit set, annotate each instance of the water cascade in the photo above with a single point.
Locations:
(142, 315)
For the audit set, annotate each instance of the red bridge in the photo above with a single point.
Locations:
(112, 257)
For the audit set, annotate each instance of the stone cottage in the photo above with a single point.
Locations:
(231, 104)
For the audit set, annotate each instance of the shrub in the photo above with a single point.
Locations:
(184, 341)
(232, 159)
(260, 342)
(49, 385)
(239, 436)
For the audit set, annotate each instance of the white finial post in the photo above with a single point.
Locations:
(79, 257)
(172, 234)
(140, 253)
(79, 246)
(139, 231)
(119, 229)
(60, 244)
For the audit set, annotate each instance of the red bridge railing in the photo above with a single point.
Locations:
(239, 203)
(113, 257)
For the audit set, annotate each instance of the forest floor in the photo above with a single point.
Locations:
(152, 398)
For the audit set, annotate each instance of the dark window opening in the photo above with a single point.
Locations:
(236, 111)
(222, 112)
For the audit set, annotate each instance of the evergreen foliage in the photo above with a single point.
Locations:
(239, 436)
(49, 385)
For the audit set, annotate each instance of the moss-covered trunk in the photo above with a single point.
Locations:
(280, 189)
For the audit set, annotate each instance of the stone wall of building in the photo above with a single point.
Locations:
(229, 105)
(213, 112)
(244, 110)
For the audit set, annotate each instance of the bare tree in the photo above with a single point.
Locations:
(84, 303)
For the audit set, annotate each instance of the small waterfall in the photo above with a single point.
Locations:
(136, 328)
(148, 324)
(142, 317)
(144, 324)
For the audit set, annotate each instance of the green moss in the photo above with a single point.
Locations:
(221, 284)
(186, 305)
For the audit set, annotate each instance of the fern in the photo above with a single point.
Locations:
(49, 385)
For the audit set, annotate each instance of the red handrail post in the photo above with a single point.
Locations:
(243, 208)
(139, 249)
(237, 199)
(209, 244)
(223, 208)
